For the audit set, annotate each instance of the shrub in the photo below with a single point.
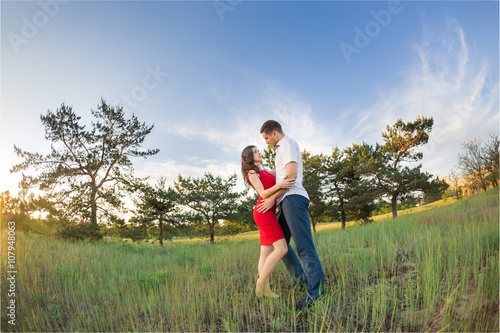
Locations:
(80, 231)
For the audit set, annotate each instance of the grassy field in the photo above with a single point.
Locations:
(433, 270)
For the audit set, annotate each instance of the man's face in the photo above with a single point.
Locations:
(271, 139)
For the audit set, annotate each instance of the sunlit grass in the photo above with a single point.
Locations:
(435, 269)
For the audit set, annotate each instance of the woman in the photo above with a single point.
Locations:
(272, 241)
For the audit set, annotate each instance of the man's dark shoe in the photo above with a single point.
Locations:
(305, 303)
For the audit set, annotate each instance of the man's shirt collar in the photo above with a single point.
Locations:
(278, 143)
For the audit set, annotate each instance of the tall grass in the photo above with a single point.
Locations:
(436, 270)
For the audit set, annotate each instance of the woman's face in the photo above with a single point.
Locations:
(257, 157)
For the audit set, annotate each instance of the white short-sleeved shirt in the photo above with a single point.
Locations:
(287, 150)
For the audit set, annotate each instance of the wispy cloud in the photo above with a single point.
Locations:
(274, 102)
(192, 167)
(215, 93)
(446, 85)
(297, 120)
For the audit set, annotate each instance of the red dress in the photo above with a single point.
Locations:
(269, 227)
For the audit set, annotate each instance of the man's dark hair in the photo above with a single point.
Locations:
(269, 126)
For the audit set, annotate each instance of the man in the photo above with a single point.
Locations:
(294, 217)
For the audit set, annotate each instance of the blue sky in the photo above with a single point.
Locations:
(207, 74)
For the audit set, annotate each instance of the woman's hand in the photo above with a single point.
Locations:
(286, 183)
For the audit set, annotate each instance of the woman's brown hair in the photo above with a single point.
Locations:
(247, 164)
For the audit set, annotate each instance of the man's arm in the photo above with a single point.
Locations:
(267, 204)
(291, 170)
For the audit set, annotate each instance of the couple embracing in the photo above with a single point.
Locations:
(282, 186)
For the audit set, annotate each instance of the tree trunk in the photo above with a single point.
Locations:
(342, 214)
(481, 180)
(161, 233)
(394, 202)
(93, 206)
(312, 222)
(212, 232)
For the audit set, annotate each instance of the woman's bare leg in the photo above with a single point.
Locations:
(268, 260)
(265, 251)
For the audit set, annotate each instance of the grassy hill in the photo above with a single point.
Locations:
(433, 270)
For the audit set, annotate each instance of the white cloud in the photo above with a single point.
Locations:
(446, 85)
(297, 121)
(275, 102)
(193, 167)
(216, 94)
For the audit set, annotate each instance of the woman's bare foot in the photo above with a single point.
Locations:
(260, 288)
(269, 293)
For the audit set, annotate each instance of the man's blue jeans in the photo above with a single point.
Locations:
(294, 219)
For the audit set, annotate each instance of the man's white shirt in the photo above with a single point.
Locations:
(287, 150)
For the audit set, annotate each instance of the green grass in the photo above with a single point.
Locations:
(434, 270)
